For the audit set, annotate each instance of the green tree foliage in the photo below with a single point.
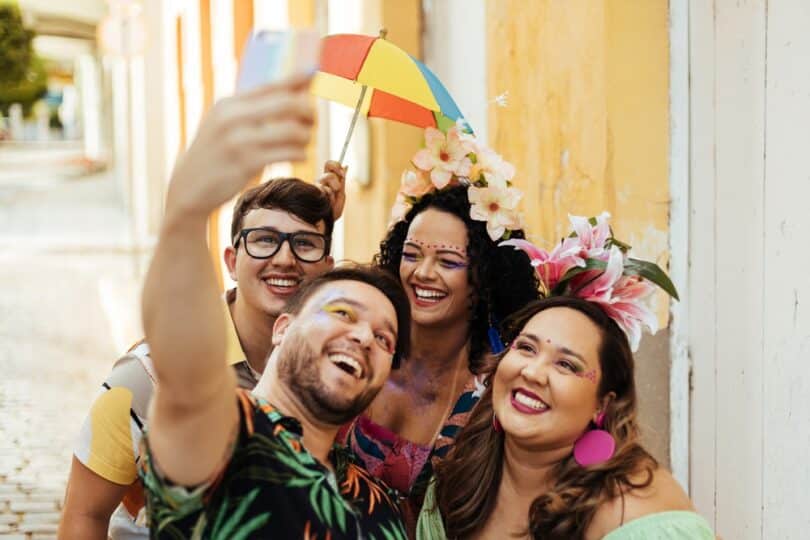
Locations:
(26, 92)
(16, 50)
(23, 77)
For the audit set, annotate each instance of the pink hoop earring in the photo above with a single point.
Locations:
(595, 446)
(496, 424)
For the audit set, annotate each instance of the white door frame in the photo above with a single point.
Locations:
(679, 159)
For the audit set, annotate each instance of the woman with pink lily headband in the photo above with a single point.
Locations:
(452, 210)
(552, 449)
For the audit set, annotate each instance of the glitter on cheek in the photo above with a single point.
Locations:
(590, 375)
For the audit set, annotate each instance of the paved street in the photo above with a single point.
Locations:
(68, 307)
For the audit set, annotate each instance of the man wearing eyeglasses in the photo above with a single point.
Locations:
(280, 236)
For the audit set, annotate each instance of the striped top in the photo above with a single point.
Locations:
(109, 441)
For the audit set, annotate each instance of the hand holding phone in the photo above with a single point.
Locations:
(274, 55)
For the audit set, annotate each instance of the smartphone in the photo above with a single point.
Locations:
(274, 55)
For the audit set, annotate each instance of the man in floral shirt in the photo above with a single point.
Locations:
(224, 463)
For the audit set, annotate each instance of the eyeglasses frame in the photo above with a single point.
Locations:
(285, 237)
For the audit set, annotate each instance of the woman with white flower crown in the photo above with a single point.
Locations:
(552, 450)
(450, 214)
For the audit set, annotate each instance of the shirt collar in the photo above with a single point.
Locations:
(339, 454)
(289, 423)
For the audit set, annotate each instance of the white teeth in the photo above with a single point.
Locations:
(278, 282)
(523, 399)
(427, 293)
(349, 362)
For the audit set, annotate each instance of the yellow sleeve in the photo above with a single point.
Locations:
(109, 439)
(105, 444)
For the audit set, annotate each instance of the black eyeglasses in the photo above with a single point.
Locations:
(264, 242)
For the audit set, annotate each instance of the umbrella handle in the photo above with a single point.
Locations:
(354, 121)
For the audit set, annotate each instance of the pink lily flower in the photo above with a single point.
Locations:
(592, 238)
(443, 156)
(628, 307)
(600, 289)
(621, 298)
(550, 267)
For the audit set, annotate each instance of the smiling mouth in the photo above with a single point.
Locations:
(428, 296)
(525, 402)
(283, 284)
(347, 364)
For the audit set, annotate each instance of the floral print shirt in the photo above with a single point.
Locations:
(272, 487)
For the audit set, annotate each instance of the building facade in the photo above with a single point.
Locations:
(684, 119)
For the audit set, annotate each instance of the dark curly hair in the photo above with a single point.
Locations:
(502, 279)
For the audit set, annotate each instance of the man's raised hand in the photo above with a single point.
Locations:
(235, 140)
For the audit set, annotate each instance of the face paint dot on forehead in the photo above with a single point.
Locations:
(436, 245)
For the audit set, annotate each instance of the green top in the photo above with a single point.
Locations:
(674, 525)
(660, 526)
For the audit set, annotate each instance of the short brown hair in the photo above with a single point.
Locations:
(380, 279)
(301, 199)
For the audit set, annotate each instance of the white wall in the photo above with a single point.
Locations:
(455, 50)
(84, 10)
(749, 325)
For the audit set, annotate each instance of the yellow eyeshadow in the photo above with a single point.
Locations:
(334, 308)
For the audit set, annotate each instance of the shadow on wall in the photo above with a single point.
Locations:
(652, 385)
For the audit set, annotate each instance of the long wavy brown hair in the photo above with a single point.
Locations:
(467, 481)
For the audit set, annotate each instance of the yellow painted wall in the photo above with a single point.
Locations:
(301, 14)
(392, 144)
(587, 124)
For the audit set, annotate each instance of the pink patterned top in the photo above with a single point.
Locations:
(402, 464)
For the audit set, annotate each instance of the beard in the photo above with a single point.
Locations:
(298, 368)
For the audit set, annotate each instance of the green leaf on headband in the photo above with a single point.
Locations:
(613, 241)
(590, 264)
(651, 271)
(632, 267)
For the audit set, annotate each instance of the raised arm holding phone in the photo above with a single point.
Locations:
(182, 314)
(220, 461)
(104, 497)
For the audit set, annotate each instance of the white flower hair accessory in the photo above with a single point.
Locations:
(458, 158)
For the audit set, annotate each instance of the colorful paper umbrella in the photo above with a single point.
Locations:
(381, 80)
